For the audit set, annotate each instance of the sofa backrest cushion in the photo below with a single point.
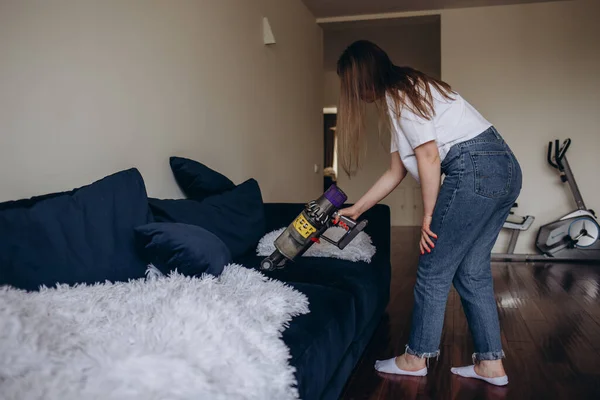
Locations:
(82, 236)
(196, 180)
(237, 216)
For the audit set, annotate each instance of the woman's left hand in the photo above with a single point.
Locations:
(426, 243)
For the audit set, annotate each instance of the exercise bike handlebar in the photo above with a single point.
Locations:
(559, 153)
(550, 158)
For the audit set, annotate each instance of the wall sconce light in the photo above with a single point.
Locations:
(268, 37)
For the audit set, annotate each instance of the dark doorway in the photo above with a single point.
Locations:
(329, 174)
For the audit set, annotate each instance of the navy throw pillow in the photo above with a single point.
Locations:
(198, 181)
(237, 216)
(189, 249)
(82, 236)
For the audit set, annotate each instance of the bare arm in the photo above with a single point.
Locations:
(383, 187)
(429, 164)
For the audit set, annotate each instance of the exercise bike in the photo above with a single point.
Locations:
(574, 237)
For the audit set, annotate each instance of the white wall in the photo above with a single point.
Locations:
(409, 41)
(534, 71)
(89, 88)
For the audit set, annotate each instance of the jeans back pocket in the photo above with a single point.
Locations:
(493, 172)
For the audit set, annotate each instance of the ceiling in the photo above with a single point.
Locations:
(335, 8)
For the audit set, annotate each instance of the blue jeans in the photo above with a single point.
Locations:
(482, 182)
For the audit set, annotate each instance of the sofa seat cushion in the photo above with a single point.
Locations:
(366, 283)
(319, 339)
(82, 236)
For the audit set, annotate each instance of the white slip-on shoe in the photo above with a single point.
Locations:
(389, 367)
(469, 372)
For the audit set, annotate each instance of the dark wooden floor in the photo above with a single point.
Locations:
(550, 319)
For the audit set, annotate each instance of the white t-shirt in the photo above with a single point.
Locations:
(455, 121)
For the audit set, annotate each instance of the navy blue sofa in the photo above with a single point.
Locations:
(86, 235)
(347, 301)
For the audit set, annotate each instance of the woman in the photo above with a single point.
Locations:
(435, 131)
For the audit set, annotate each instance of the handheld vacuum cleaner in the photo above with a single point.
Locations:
(308, 228)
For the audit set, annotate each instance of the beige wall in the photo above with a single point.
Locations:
(410, 41)
(88, 88)
(533, 70)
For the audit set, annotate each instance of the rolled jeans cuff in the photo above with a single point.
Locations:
(422, 354)
(489, 356)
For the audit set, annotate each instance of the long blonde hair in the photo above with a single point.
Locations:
(367, 75)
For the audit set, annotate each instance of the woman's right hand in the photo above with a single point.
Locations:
(351, 212)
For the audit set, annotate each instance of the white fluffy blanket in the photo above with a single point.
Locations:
(359, 249)
(167, 338)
